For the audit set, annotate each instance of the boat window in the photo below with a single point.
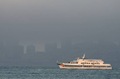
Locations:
(85, 63)
(74, 62)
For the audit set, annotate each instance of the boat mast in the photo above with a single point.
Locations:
(83, 56)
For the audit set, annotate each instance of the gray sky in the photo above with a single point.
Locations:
(60, 19)
(41, 21)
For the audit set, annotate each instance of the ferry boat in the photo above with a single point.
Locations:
(83, 63)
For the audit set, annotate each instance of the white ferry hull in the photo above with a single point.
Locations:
(88, 64)
(86, 68)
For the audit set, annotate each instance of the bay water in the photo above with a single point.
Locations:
(26, 72)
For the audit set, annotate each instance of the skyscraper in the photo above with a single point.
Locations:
(30, 49)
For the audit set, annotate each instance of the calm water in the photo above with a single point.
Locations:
(56, 73)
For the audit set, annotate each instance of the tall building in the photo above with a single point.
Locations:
(66, 45)
(1, 46)
(11, 52)
(30, 49)
(51, 47)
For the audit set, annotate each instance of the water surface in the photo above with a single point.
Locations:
(56, 73)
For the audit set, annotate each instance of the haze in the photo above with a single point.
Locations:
(41, 22)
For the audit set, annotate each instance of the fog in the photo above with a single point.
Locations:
(39, 22)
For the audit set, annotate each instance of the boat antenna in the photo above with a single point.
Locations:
(83, 56)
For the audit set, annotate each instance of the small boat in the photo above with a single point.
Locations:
(83, 63)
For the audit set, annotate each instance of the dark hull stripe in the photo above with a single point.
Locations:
(82, 66)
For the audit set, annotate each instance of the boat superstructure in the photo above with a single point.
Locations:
(82, 63)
